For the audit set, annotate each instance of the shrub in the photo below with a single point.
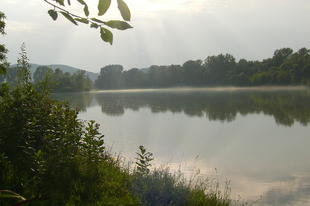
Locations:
(46, 151)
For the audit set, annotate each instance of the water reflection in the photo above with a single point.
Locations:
(286, 105)
(250, 136)
(76, 100)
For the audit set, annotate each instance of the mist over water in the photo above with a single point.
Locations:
(206, 89)
(256, 137)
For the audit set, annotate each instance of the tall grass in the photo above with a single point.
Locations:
(163, 187)
(114, 182)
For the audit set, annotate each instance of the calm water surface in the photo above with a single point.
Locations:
(257, 138)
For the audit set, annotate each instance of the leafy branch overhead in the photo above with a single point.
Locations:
(103, 6)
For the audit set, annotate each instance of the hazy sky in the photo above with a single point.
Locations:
(165, 32)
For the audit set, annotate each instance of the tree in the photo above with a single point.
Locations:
(11, 76)
(133, 78)
(2, 78)
(88, 84)
(190, 67)
(283, 77)
(239, 80)
(175, 75)
(110, 77)
(78, 79)
(40, 73)
(273, 72)
(103, 6)
(218, 67)
(261, 78)
(280, 55)
(3, 63)
(304, 51)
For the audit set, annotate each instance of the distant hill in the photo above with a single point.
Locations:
(93, 76)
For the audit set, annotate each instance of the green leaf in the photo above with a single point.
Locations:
(121, 25)
(103, 6)
(61, 2)
(53, 14)
(124, 9)
(86, 11)
(85, 21)
(81, 2)
(69, 17)
(93, 25)
(98, 20)
(106, 35)
(69, 2)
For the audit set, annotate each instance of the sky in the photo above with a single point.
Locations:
(164, 32)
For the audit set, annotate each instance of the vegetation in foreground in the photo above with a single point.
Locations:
(50, 157)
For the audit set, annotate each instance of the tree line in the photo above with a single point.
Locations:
(284, 68)
(62, 82)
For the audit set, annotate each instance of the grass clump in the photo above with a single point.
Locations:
(162, 187)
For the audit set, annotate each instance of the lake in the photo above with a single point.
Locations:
(257, 138)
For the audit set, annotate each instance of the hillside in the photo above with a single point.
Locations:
(93, 76)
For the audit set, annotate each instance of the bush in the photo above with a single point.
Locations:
(47, 152)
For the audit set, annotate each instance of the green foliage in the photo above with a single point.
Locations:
(90, 147)
(106, 35)
(53, 14)
(284, 68)
(143, 161)
(11, 76)
(3, 59)
(220, 70)
(124, 9)
(103, 6)
(280, 55)
(121, 25)
(69, 17)
(63, 82)
(24, 75)
(283, 78)
(45, 149)
(110, 77)
(161, 187)
(40, 73)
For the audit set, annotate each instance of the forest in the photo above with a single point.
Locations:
(284, 68)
